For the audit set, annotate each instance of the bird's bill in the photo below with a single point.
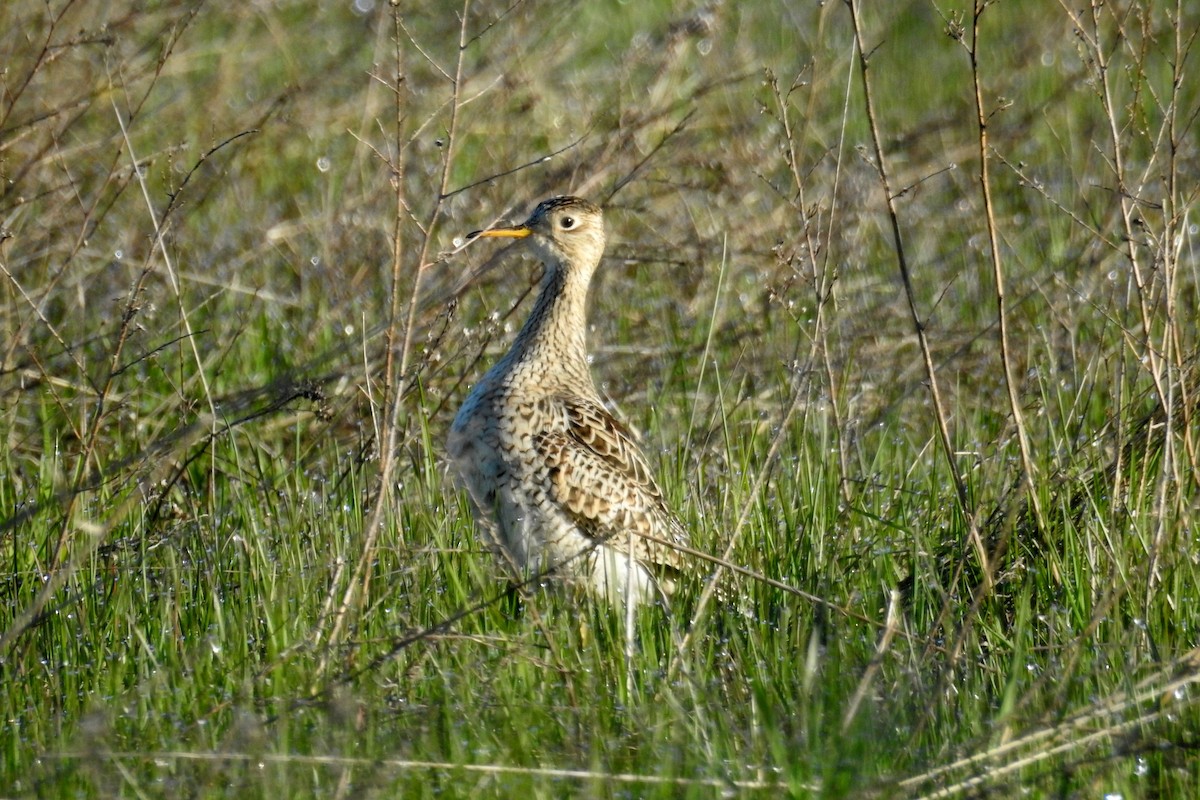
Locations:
(518, 232)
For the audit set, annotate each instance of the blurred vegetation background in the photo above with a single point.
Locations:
(238, 315)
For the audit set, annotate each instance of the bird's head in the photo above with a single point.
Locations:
(567, 232)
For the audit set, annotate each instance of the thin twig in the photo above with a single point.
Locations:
(885, 641)
(1029, 473)
(373, 764)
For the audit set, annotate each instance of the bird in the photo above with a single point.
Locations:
(556, 482)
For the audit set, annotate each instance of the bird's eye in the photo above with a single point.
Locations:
(566, 223)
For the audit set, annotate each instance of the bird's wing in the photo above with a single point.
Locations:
(599, 475)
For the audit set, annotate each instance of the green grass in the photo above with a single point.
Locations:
(234, 564)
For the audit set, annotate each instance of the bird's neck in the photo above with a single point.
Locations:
(556, 328)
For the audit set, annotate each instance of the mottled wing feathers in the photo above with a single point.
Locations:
(600, 478)
(594, 428)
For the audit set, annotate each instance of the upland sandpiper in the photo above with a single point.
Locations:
(558, 484)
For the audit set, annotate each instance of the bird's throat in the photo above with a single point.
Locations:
(555, 330)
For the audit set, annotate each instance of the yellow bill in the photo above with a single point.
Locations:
(517, 232)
